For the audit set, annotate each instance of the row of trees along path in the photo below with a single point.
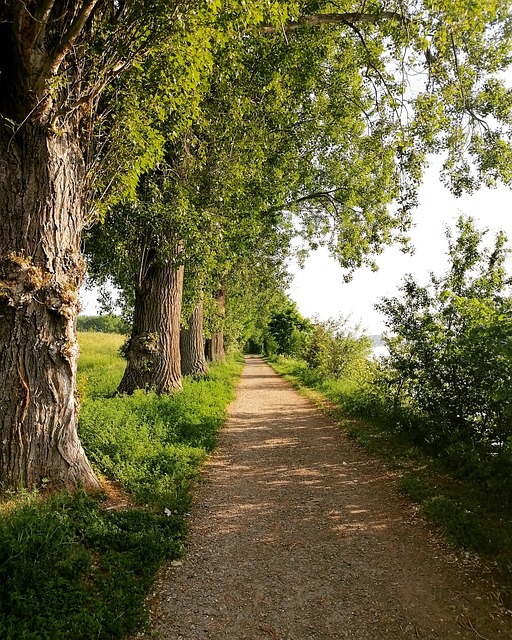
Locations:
(297, 534)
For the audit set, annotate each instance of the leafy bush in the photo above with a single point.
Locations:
(287, 331)
(335, 350)
(449, 368)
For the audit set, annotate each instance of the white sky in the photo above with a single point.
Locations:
(318, 289)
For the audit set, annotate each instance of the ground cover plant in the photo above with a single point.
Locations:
(75, 566)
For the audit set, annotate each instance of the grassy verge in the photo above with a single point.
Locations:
(76, 567)
(471, 518)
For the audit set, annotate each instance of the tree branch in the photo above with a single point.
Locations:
(320, 19)
(68, 40)
(465, 101)
(44, 11)
(316, 195)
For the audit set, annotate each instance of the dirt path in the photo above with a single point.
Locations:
(298, 535)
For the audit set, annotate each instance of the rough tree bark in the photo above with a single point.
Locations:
(193, 361)
(153, 351)
(41, 186)
(41, 271)
(215, 344)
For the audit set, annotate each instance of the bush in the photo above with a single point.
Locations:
(449, 368)
(336, 351)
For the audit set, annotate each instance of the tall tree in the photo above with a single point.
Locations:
(69, 74)
(192, 343)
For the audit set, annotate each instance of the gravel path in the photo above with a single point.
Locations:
(298, 535)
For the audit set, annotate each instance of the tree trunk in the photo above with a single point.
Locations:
(193, 361)
(41, 270)
(153, 352)
(215, 344)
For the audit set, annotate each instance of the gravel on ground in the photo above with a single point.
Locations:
(297, 534)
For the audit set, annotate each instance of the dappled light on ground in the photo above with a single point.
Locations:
(298, 535)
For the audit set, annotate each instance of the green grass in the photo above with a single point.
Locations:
(470, 516)
(100, 367)
(70, 568)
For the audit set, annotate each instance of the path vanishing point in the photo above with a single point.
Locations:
(297, 534)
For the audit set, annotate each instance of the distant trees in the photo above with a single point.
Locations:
(107, 323)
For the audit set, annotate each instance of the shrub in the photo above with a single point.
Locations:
(449, 367)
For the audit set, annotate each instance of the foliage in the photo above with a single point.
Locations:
(450, 359)
(287, 332)
(71, 567)
(109, 323)
(255, 292)
(305, 121)
(337, 351)
(153, 444)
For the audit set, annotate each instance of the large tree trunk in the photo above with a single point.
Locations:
(215, 344)
(193, 361)
(153, 351)
(41, 270)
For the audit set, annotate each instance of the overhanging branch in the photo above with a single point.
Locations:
(320, 19)
(316, 195)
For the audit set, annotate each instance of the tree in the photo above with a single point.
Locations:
(286, 328)
(192, 344)
(66, 71)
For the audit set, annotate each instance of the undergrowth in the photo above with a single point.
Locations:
(471, 516)
(72, 567)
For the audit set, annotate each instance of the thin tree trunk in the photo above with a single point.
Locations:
(41, 271)
(215, 344)
(193, 361)
(153, 352)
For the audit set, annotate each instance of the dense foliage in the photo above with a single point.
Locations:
(287, 332)
(450, 358)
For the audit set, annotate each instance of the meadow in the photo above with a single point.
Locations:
(76, 566)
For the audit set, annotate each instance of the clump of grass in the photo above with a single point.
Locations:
(72, 569)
